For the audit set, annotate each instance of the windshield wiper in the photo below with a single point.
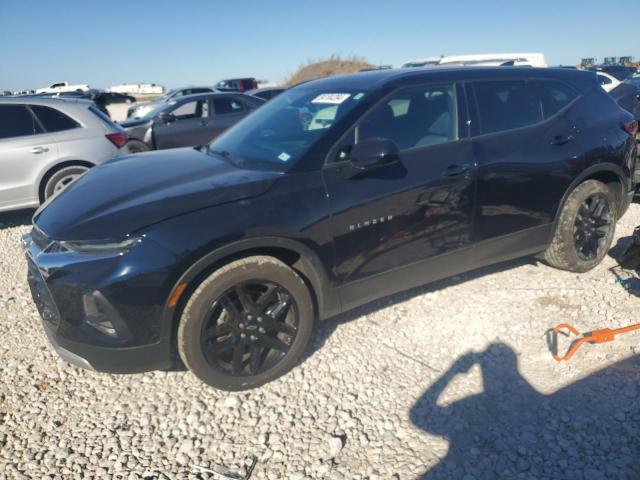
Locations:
(220, 153)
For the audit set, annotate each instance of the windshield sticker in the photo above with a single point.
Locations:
(332, 98)
(284, 156)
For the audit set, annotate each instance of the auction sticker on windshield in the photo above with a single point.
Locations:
(332, 98)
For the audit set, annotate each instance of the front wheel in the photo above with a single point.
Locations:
(585, 228)
(246, 324)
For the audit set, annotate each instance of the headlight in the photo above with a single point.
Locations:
(97, 246)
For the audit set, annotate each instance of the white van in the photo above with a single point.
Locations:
(481, 60)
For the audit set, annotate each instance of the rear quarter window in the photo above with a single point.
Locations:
(52, 119)
(554, 96)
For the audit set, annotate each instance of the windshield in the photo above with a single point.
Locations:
(281, 131)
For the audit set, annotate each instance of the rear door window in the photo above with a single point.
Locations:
(224, 105)
(506, 105)
(17, 121)
(53, 120)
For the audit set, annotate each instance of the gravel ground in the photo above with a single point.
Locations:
(453, 380)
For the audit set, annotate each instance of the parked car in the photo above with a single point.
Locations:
(229, 253)
(46, 143)
(627, 95)
(188, 121)
(635, 81)
(619, 72)
(63, 87)
(266, 93)
(237, 84)
(607, 82)
(141, 109)
(115, 97)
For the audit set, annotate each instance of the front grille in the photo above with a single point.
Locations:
(41, 295)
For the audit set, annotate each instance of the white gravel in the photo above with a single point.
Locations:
(377, 396)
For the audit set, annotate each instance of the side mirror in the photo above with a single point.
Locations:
(167, 117)
(374, 152)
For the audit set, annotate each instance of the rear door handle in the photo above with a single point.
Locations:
(457, 170)
(561, 139)
(37, 150)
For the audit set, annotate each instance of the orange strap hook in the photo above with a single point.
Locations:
(602, 335)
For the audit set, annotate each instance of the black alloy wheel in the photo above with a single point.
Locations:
(592, 226)
(250, 328)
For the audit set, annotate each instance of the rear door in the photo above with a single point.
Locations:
(417, 209)
(25, 149)
(227, 111)
(189, 127)
(525, 144)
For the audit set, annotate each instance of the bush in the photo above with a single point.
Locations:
(334, 65)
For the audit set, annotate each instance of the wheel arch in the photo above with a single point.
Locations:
(301, 258)
(607, 173)
(52, 169)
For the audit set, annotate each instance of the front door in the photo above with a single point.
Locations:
(418, 209)
(188, 127)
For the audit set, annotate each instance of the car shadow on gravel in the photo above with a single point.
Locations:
(328, 326)
(16, 219)
(587, 430)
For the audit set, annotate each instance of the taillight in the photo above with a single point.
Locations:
(631, 127)
(118, 139)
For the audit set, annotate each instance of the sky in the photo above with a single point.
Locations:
(198, 42)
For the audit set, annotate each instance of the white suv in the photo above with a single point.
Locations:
(46, 143)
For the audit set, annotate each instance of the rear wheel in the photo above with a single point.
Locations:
(136, 146)
(585, 228)
(247, 324)
(61, 179)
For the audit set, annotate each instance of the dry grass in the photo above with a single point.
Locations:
(334, 65)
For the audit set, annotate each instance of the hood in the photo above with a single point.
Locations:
(131, 192)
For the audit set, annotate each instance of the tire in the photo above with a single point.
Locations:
(219, 340)
(61, 179)
(577, 228)
(136, 146)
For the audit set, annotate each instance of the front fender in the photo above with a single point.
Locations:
(308, 265)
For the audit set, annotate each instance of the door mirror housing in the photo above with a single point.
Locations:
(165, 117)
(373, 153)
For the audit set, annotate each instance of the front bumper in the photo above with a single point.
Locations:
(103, 313)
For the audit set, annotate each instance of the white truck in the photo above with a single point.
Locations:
(64, 87)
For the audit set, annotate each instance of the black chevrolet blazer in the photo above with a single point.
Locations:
(337, 192)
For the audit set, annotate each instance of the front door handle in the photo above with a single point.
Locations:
(204, 123)
(457, 170)
(37, 150)
(561, 139)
